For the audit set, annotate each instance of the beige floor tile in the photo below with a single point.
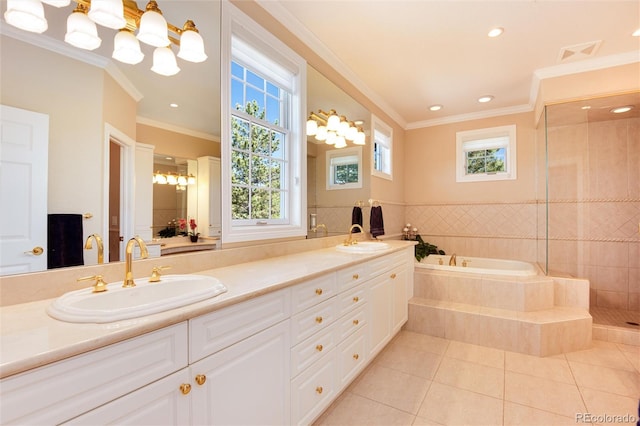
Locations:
(471, 376)
(474, 353)
(392, 387)
(602, 403)
(422, 342)
(421, 421)
(410, 361)
(544, 394)
(448, 405)
(356, 410)
(612, 380)
(521, 415)
(632, 354)
(554, 368)
(602, 354)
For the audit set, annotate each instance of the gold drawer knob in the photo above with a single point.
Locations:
(356, 356)
(393, 276)
(356, 322)
(319, 320)
(319, 291)
(356, 276)
(319, 348)
(185, 388)
(355, 299)
(319, 390)
(200, 379)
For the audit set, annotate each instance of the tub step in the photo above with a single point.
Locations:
(541, 333)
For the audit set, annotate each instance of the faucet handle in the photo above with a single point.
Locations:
(155, 273)
(99, 286)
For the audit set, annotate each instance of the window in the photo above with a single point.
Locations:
(486, 154)
(262, 139)
(343, 168)
(382, 149)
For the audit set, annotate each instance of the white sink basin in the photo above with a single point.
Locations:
(118, 303)
(364, 247)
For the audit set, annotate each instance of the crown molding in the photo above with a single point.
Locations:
(470, 116)
(176, 129)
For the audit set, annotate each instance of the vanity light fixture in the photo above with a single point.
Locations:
(485, 99)
(335, 129)
(173, 179)
(122, 15)
(622, 109)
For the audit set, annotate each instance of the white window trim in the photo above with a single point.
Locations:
(470, 136)
(346, 152)
(378, 125)
(235, 22)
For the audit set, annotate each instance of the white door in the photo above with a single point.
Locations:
(24, 141)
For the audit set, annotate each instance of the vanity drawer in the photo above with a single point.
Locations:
(313, 390)
(215, 331)
(307, 352)
(351, 322)
(351, 357)
(352, 299)
(60, 391)
(311, 293)
(314, 319)
(352, 276)
(385, 263)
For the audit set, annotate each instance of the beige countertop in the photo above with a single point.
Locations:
(30, 338)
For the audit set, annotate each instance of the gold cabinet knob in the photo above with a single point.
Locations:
(393, 276)
(356, 356)
(356, 276)
(200, 379)
(319, 291)
(355, 299)
(319, 320)
(185, 388)
(36, 251)
(319, 348)
(319, 390)
(356, 322)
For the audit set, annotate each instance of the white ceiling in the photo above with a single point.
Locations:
(408, 55)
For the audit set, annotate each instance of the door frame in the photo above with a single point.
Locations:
(127, 190)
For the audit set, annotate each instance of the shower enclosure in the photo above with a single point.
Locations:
(589, 202)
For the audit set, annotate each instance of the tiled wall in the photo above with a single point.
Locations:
(338, 218)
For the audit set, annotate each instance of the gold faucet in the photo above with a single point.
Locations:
(350, 241)
(89, 246)
(320, 225)
(128, 275)
(452, 261)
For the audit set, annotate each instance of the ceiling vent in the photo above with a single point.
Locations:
(579, 51)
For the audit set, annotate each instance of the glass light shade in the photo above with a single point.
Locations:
(333, 122)
(191, 47)
(27, 15)
(312, 127)
(126, 48)
(321, 134)
(331, 138)
(182, 180)
(360, 138)
(340, 142)
(153, 29)
(164, 62)
(191, 180)
(161, 179)
(172, 179)
(352, 133)
(82, 31)
(108, 13)
(57, 3)
(343, 127)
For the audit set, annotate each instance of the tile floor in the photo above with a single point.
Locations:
(425, 380)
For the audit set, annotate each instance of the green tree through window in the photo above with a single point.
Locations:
(485, 161)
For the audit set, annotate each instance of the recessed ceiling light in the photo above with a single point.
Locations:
(358, 122)
(636, 33)
(435, 107)
(620, 110)
(485, 99)
(495, 32)
(586, 107)
(172, 105)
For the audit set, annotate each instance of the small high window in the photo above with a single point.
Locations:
(382, 149)
(344, 169)
(486, 154)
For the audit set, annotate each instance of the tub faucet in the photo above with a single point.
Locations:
(452, 261)
(100, 248)
(128, 275)
(350, 241)
(318, 226)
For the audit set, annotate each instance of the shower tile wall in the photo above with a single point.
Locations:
(594, 208)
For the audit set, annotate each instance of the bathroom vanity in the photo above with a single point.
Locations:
(278, 347)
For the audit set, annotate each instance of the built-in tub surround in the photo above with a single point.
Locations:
(478, 265)
(529, 314)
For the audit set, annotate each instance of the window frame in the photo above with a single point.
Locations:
(343, 153)
(380, 127)
(246, 42)
(470, 140)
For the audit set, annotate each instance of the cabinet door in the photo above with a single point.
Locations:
(246, 383)
(398, 278)
(160, 403)
(380, 311)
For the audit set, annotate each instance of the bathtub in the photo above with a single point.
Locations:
(479, 265)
